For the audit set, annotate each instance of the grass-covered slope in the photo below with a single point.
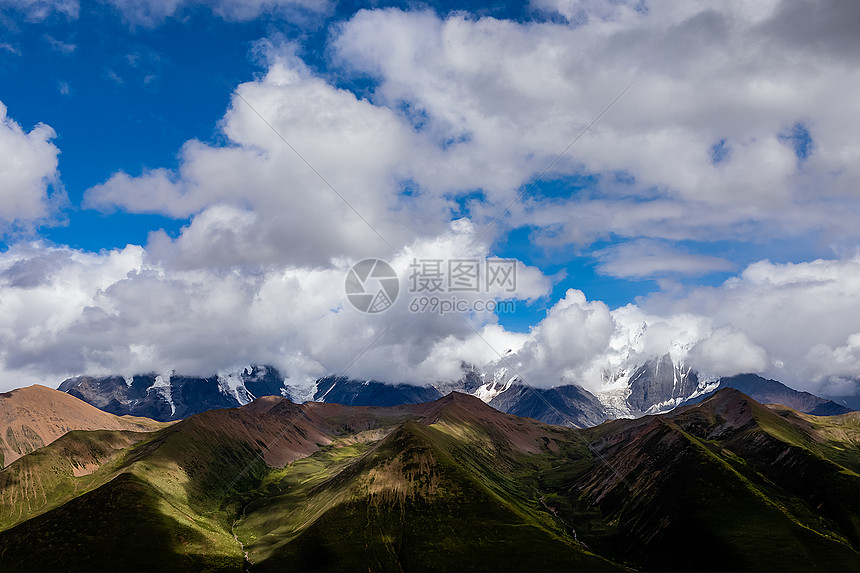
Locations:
(406, 503)
(124, 525)
(182, 478)
(727, 484)
(703, 489)
(71, 466)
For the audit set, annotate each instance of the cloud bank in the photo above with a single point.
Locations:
(734, 130)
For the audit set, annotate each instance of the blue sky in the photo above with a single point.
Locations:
(126, 99)
(714, 161)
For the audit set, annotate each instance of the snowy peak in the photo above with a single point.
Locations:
(249, 383)
(486, 384)
(656, 386)
(662, 384)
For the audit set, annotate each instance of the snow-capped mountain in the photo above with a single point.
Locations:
(501, 388)
(656, 386)
(166, 397)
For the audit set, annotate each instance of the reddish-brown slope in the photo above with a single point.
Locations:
(35, 416)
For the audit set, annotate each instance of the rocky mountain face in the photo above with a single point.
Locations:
(563, 405)
(661, 384)
(167, 397)
(727, 484)
(343, 390)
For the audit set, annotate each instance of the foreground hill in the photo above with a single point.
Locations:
(754, 488)
(728, 484)
(35, 416)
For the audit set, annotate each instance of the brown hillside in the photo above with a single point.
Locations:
(35, 416)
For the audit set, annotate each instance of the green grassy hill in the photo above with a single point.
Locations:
(406, 503)
(727, 484)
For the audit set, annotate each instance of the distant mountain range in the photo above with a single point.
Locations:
(169, 397)
(453, 484)
(654, 387)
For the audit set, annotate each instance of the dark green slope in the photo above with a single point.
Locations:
(406, 504)
(792, 456)
(120, 526)
(664, 498)
(70, 466)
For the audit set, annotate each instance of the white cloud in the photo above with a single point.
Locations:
(728, 352)
(28, 171)
(563, 346)
(59, 45)
(514, 95)
(12, 49)
(290, 213)
(64, 312)
(837, 369)
(647, 259)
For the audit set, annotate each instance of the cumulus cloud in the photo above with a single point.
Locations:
(566, 341)
(28, 171)
(514, 95)
(332, 194)
(837, 370)
(728, 352)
